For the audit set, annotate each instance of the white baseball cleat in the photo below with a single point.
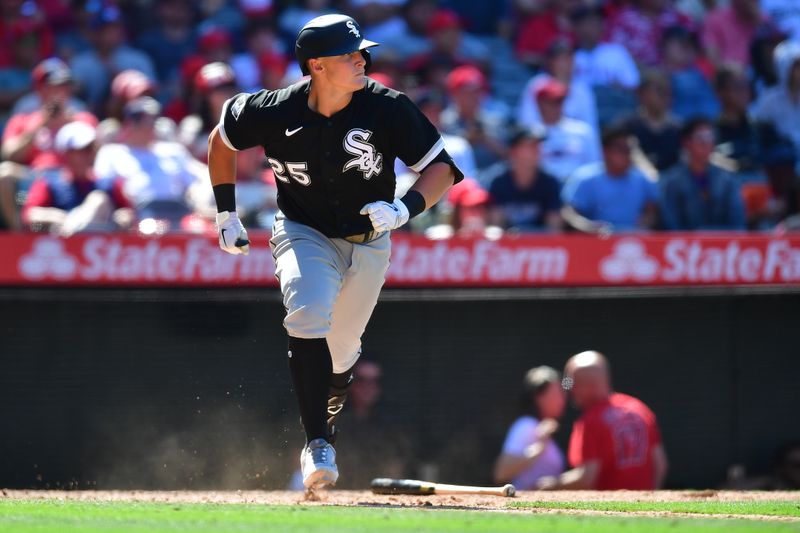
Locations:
(318, 464)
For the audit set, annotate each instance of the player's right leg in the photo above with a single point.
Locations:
(309, 268)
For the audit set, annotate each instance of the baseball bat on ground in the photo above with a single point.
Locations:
(413, 486)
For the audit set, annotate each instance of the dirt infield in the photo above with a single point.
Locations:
(365, 498)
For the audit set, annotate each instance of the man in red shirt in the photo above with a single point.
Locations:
(616, 443)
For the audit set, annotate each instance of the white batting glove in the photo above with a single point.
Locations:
(385, 216)
(232, 235)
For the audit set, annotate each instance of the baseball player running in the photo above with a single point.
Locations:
(331, 141)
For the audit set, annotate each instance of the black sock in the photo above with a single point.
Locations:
(311, 368)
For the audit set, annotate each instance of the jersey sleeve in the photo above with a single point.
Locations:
(244, 120)
(417, 142)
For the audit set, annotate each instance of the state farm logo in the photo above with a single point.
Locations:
(629, 260)
(48, 259)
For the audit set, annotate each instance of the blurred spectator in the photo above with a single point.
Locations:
(475, 115)
(570, 143)
(215, 83)
(23, 21)
(264, 54)
(15, 76)
(160, 179)
(28, 137)
(559, 65)
(380, 18)
(273, 68)
(784, 475)
(170, 39)
(95, 68)
(692, 94)
(639, 27)
(729, 30)
(483, 18)
(540, 31)
(413, 40)
(432, 104)
(529, 452)
(76, 37)
(469, 214)
(697, 194)
(615, 196)
(606, 67)
(616, 443)
(295, 16)
(655, 127)
(763, 71)
(65, 200)
(525, 198)
(126, 86)
(215, 44)
(451, 47)
(779, 106)
(786, 14)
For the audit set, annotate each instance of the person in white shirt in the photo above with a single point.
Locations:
(529, 452)
(569, 143)
(159, 178)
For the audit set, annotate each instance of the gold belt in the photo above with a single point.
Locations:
(361, 238)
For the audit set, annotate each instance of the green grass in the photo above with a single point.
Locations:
(25, 516)
(769, 508)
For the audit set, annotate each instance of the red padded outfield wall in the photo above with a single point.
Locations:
(525, 260)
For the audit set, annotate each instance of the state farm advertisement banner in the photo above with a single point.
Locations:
(529, 260)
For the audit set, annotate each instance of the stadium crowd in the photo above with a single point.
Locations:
(598, 116)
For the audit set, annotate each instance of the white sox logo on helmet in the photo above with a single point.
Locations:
(367, 160)
(350, 24)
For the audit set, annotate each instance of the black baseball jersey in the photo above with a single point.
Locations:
(328, 168)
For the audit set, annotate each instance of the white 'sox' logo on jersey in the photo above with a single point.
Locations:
(367, 160)
(350, 24)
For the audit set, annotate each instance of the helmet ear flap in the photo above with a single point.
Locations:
(367, 58)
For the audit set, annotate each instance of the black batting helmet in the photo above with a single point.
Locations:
(330, 35)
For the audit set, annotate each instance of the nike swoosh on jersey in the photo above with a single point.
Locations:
(290, 133)
(222, 231)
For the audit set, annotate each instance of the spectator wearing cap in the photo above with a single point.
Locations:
(264, 54)
(611, 196)
(525, 198)
(696, 193)
(126, 86)
(692, 94)
(570, 143)
(529, 452)
(639, 27)
(579, 103)
(94, 69)
(450, 45)
(606, 67)
(475, 116)
(170, 39)
(23, 25)
(655, 127)
(215, 83)
(158, 178)
(468, 216)
(65, 200)
(538, 33)
(215, 44)
(28, 137)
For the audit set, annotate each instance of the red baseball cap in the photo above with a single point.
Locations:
(468, 194)
(442, 20)
(130, 84)
(213, 76)
(466, 77)
(214, 38)
(270, 61)
(551, 89)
